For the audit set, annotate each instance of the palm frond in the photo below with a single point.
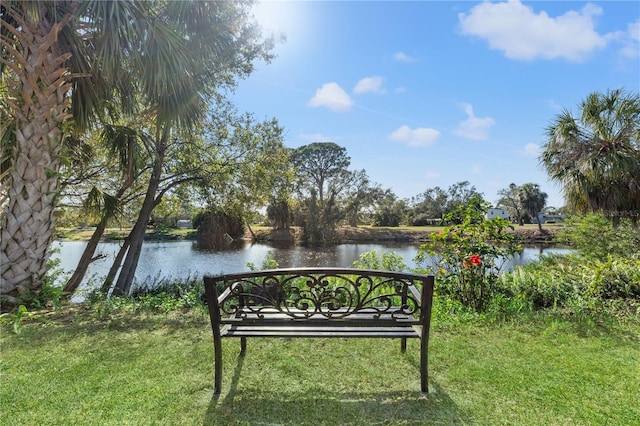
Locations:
(100, 203)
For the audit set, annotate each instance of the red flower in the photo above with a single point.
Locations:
(475, 260)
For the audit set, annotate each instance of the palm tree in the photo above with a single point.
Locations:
(64, 62)
(596, 156)
(532, 201)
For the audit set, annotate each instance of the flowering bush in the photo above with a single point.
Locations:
(467, 256)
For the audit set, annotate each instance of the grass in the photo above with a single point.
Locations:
(84, 234)
(83, 366)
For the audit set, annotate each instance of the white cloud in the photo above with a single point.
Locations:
(523, 34)
(400, 89)
(532, 150)
(420, 136)
(473, 127)
(403, 57)
(631, 41)
(371, 84)
(476, 169)
(634, 30)
(331, 96)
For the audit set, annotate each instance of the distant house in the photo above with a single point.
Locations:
(493, 213)
(548, 218)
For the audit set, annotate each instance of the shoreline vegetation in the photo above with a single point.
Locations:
(527, 234)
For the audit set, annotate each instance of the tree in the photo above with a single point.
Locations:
(261, 167)
(64, 61)
(42, 55)
(434, 203)
(233, 164)
(461, 194)
(389, 210)
(279, 208)
(322, 176)
(361, 194)
(532, 200)
(322, 166)
(509, 201)
(596, 156)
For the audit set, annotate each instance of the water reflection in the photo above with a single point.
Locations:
(180, 259)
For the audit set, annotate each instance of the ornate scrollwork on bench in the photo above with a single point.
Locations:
(332, 295)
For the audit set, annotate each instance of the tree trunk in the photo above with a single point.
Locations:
(115, 267)
(86, 259)
(136, 236)
(37, 83)
(253, 235)
(87, 256)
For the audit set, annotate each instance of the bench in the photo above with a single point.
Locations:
(320, 303)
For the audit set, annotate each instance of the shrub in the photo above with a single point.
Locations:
(568, 281)
(159, 294)
(384, 262)
(549, 283)
(595, 237)
(467, 257)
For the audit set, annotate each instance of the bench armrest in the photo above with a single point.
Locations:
(416, 294)
(224, 295)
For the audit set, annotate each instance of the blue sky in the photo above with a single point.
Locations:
(430, 93)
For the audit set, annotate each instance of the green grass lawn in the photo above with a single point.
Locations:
(79, 366)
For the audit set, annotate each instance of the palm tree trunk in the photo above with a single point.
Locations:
(86, 259)
(37, 86)
(115, 267)
(136, 236)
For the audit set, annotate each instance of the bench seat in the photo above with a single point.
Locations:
(318, 331)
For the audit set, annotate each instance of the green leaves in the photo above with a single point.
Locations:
(16, 318)
(468, 256)
(596, 155)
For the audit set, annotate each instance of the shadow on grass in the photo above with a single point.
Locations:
(322, 407)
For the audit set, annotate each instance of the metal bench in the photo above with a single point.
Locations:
(320, 302)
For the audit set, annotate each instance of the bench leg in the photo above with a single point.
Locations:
(424, 375)
(243, 345)
(403, 345)
(218, 366)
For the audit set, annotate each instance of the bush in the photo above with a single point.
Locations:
(595, 237)
(159, 294)
(561, 281)
(384, 262)
(467, 257)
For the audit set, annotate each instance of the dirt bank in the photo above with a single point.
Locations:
(527, 235)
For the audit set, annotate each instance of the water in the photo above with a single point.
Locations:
(180, 259)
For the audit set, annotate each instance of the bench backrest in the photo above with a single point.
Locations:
(330, 293)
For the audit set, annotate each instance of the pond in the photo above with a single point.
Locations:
(181, 259)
